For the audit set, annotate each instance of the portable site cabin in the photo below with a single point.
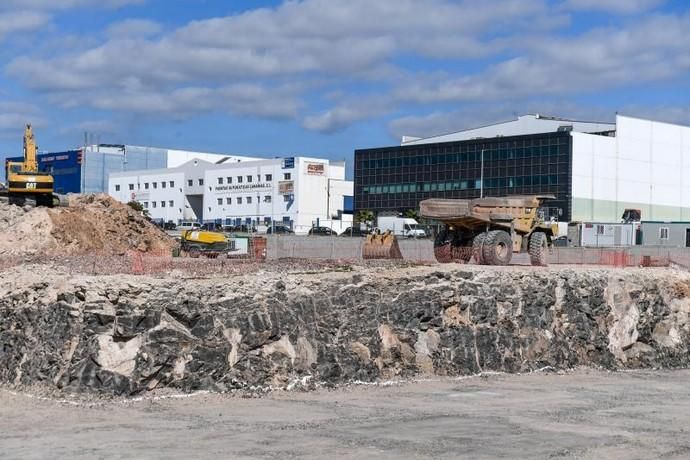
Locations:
(602, 234)
(670, 234)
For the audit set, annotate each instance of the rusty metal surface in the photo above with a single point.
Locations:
(381, 246)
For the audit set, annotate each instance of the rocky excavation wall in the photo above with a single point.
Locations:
(123, 335)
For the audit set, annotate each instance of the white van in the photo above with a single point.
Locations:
(187, 225)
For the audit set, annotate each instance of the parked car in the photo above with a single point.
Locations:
(321, 231)
(169, 225)
(187, 225)
(212, 227)
(354, 231)
(244, 228)
(279, 230)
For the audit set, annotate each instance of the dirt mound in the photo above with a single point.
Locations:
(91, 223)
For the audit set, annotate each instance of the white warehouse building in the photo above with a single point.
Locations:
(296, 191)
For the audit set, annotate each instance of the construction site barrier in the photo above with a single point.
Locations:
(322, 251)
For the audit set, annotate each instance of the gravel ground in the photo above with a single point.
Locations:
(581, 414)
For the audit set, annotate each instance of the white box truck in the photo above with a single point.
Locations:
(401, 226)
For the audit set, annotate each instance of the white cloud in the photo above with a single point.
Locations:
(616, 6)
(23, 21)
(292, 42)
(66, 4)
(14, 115)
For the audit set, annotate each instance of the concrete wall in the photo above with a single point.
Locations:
(337, 247)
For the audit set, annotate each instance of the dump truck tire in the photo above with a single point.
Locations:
(498, 248)
(477, 248)
(537, 249)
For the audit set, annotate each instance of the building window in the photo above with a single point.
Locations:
(190, 183)
(162, 204)
(220, 181)
(131, 186)
(163, 184)
(249, 178)
(249, 200)
(663, 233)
(287, 198)
(600, 229)
(146, 185)
(239, 200)
(172, 183)
(201, 182)
(155, 185)
(228, 200)
(269, 177)
(146, 204)
(287, 176)
(220, 201)
(229, 180)
(239, 179)
(154, 203)
(171, 203)
(267, 199)
(117, 187)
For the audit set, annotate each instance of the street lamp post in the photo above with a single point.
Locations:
(481, 178)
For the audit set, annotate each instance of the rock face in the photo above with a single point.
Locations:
(124, 335)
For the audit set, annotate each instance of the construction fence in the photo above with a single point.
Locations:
(315, 252)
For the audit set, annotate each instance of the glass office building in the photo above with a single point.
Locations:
(396, 179)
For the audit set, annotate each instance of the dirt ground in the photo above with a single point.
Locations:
(583, 414)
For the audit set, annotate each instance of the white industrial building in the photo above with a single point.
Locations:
(297, 191)
(596, 170)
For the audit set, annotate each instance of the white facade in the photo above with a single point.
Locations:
(525, 124)
(297, 191)
(646, 166)
(102, 160)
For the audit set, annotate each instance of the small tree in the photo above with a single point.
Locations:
(138, 207)
(366, 217)
(412, 214)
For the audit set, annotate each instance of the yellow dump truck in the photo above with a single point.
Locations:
(490, 230)
(210, 244)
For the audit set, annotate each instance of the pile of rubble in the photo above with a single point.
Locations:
(91, 224)
(127, 334)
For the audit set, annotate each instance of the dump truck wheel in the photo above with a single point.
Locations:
(477, 248)
(194, 252)
(463, 253)
(498, 248)
(537, 249)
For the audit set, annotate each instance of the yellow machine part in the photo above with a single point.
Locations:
(381, 246)
(203, 237)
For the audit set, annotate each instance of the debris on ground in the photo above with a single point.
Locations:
(94, 224)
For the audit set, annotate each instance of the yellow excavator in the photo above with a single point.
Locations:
(26, 184)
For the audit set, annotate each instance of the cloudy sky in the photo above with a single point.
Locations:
(323, 77)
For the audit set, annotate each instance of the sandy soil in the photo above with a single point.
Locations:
(585, 414)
